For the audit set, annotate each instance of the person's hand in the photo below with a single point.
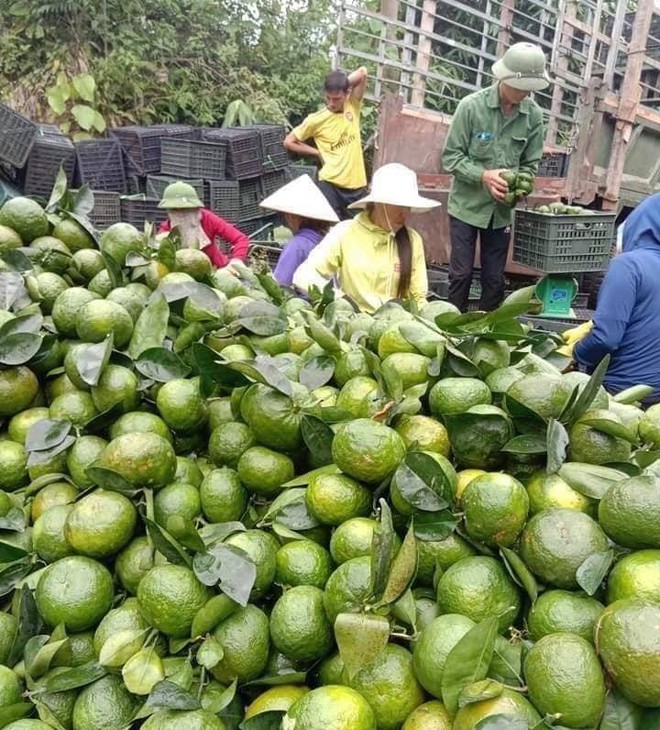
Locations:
(495, 184)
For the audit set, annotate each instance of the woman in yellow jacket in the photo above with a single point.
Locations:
(375, 257)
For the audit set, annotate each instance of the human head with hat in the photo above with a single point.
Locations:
(302, 205)
(184, 209)
(520, 71)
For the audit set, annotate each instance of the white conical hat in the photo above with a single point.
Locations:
(396, 184)
(301, 197)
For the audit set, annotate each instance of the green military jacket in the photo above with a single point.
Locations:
(482, 138)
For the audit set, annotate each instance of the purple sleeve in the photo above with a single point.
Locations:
(293, 254)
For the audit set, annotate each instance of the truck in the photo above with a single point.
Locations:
(602, 144)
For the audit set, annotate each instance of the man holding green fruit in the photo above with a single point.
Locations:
(493, 149)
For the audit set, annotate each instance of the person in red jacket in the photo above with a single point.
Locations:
(199, 227)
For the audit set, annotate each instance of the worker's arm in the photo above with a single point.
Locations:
(296, 147)
(214, 226)
(616, 301)
(533, 151)
(358, 82)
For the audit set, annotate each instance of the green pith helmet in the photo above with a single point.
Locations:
(523, 67)
(180, 196)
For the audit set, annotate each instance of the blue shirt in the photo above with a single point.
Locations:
(627, 318)
(294, 253)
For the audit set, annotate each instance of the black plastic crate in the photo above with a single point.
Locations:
(553, 164)
(136, 184)
(156, 185)
(251, 193)
(294, 171)
(259, 229)
(138, 209)
(51, 150)
(272, 146)
(244, 153)
(273, 181)
(192, 158)
(17, 135)
(225, 199)
(106, 210)
(563, 244)
(142, 145)
(100, 164)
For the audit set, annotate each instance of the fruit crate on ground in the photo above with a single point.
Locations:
(273, 181)
(142, 145)
(192, 158)
(106, 210)
(156, 185)
(553, 164)
(563, 244)
(224, 199)
(51, 150)
(272, 146)
(100, 164)
(269, 252)
(294, 171)
(138, 209)
(251, 193)
(17, 135)
(244, 153)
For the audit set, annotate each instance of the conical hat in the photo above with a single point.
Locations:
(301, 197)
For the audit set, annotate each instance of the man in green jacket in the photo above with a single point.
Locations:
(493, 130)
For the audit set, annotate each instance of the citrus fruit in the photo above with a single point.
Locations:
(140, 422)
(272, 417)
(499, 381)
(76, 407)
(76, 591)
(101, 284)
(78, 651)
(495, 507)
(11, 690)
(176, 500)
(348, 587)
(490, 355)
(590, 446)
(261, 547)
(190, 719)
(333, 706)
(48, 537)
(302, 563)
(180, 404)
(73, 235)
(298, 625)
(13, 466)
(8, 629)
(350, 364)
(54, 465)
(352, 539)
(367, 450)
(556, 542)
(359, 397)
(264, 471)
(399, 501)
(145, 459)
(20, 424)
(44, 288)
(119, 239)
(66, 306)
(429, 716)
(88, 263)
(479, 587)
(565, 679)
(548, 491)
(84, 452)
(134, 562)
(563, 611)
(245, 639)
(636, 575)
(579, 380)
(542, 393)
(223, 496)
(410, 367)
(193, 262)
(188, 471)
(100, 524)
(275, 698)
(126, 617)
(455, 395)
(389, 685)
(439, 553)
(509, 704)
(28, 725)
(629, 512)
(423, 433)
(335, 498)
(479, 435)
(25, 217)
(649, 426)
(18, 388)
(130, 300)
(219, 412)
(433, 646)
(228, 442)
(9, 239)
(104, 704)
(99, 318)
(72, 357)
(391, 340)
(170, 596)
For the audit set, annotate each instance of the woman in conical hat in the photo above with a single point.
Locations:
(375, 257)
(307, 214)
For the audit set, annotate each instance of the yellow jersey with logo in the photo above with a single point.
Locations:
(337, 137)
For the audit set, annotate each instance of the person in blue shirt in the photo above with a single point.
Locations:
(627, 319)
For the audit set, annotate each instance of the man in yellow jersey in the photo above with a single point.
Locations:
(336, 134)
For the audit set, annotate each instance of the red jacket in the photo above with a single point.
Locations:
(216, 227)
